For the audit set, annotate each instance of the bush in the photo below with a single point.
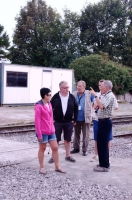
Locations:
(93, 68)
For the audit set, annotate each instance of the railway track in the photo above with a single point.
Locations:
(17, 129)
(123, 135)
(122, 119)
(26, 128)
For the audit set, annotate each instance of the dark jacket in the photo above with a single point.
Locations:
(71, 112)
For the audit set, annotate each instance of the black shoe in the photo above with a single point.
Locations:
(75, 151)
(50, 161)
(70, 159)
(85, 153)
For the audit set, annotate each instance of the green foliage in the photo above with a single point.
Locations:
(127, 50)
(4, 44)
(31, 36)
(130, 79)
(104, 26)
(93, 68)
(68, 43)
(42, 38)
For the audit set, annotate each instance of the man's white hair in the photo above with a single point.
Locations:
(108, 83)
(62, 82)
(83, 83)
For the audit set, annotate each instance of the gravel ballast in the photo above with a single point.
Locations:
(20, 183)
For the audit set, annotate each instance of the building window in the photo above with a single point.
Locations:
(16, 79)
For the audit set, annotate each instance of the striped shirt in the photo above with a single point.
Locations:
(108, 103)
(101, 96)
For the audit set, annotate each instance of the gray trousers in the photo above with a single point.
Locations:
(85, 127)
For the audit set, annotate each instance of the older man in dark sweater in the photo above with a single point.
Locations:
(65, 111)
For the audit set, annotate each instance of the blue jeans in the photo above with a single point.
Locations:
(95, 130)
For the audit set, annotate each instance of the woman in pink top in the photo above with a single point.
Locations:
(45, 130)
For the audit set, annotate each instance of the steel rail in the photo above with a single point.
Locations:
(123, 135)
(31, 128)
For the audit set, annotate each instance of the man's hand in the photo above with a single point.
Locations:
(40, 139)
(92, 91)
(98, 102)
(96, 107)
(73, 122)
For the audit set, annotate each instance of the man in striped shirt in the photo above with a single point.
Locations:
(105, 106)
(95, 121)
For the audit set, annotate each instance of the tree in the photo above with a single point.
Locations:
(103, 27)
(68, 44)
(4, 44)
(31, 37)
(93, 68)
(43, 38)
(127, 50)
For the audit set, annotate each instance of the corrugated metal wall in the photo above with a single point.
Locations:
(1, 82)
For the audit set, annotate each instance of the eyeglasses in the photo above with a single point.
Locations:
(49, 95)
(65, 88)
(80, 86)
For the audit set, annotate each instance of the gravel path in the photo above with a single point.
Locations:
(20, 183)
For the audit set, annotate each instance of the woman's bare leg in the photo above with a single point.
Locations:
(42, 147)
(55, 156)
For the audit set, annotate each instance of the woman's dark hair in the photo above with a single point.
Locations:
(44, 91)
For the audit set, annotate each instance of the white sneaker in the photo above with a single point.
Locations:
(101, 169)
(95, 158)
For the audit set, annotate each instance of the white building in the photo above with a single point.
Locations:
(20, 84)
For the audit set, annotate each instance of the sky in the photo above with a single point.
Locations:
(9, 9)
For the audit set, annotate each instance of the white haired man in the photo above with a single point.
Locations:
(84, 117)
(105, 108)
(65, 115)
(95, 121)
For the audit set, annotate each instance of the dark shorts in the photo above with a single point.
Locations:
(66, 128)
(95, 130)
